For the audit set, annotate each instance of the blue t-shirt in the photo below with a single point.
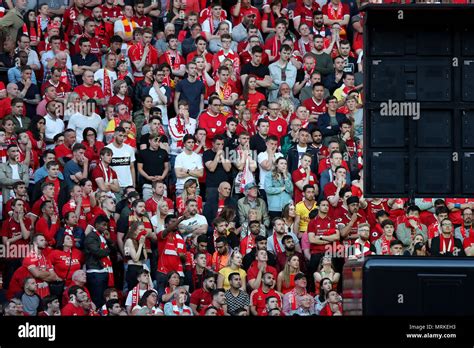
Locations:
(191, 92)
(71, 168)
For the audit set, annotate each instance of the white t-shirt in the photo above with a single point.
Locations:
(128, 302)
(164, 110)
(263, 156)
(15, 173)
(53, 127)
(121, 160)
(191, 162)
(197, 220)
(79, 122)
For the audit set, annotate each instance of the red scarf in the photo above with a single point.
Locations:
(141, 52)
(276, 43)
(224, 91)
(292, 298)
(463, 231)
(250, 243)
(446, 244)
(181, 128)
(30, 32)
(334, 14)
(177, 59)
(106, 262)
(276, 243)
(385, 245)
(176, 309)
(107, 88)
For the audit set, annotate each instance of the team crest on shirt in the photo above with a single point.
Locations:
(218, 123)
(213, 130)
(279, 128)
(374, 234)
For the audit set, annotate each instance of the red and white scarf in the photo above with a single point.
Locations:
(361, 250)
(107, 84)
(250, 243)
(177, 59)
(276, 243)
(446, 244)
(385, 245)
(106, 262)
(176, 310)
(136, 294)
(333, 13)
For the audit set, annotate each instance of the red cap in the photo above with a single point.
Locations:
(53, 25)
(2, 86)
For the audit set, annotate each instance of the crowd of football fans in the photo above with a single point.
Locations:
(192, 158)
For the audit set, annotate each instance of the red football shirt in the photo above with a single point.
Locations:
(300, 174)
(321, 227)
(277, 127)
(213, 125)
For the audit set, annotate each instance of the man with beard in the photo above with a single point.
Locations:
(142, 19)
(194, 224)
(324, 63)
(39, 267)
(351, 221)
(202, 297)
(362, 246)
(218, 301)
(250, 257)
(290, 250)
(465, 230)
(103, 30)
(77, 295)
(275, 242)
(90, 34)
(259, 296)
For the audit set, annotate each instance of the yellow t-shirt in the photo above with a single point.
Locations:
(303, 213)
(225, 273)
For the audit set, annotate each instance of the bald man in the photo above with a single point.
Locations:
(214, 205)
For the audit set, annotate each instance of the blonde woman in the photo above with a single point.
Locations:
(253, 215)
(234, 265)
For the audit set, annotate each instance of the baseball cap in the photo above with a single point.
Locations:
(2, 86)
(250, 185)
(53, 25)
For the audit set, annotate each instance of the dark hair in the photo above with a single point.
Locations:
(169, 217)
(47, 300)
(381, 213)
(413, 208)
(217, 291)
(101, 219)
(33, 128)
(110, 304)
(323, 297)
(145, 296)
(441, 209)
(387, 222)
(232, 275)
(87, 130)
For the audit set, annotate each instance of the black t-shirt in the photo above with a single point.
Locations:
(30, 94)
(213, 179)
(258, 143)
(153, 162)
(79, 61)
(260, 71)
